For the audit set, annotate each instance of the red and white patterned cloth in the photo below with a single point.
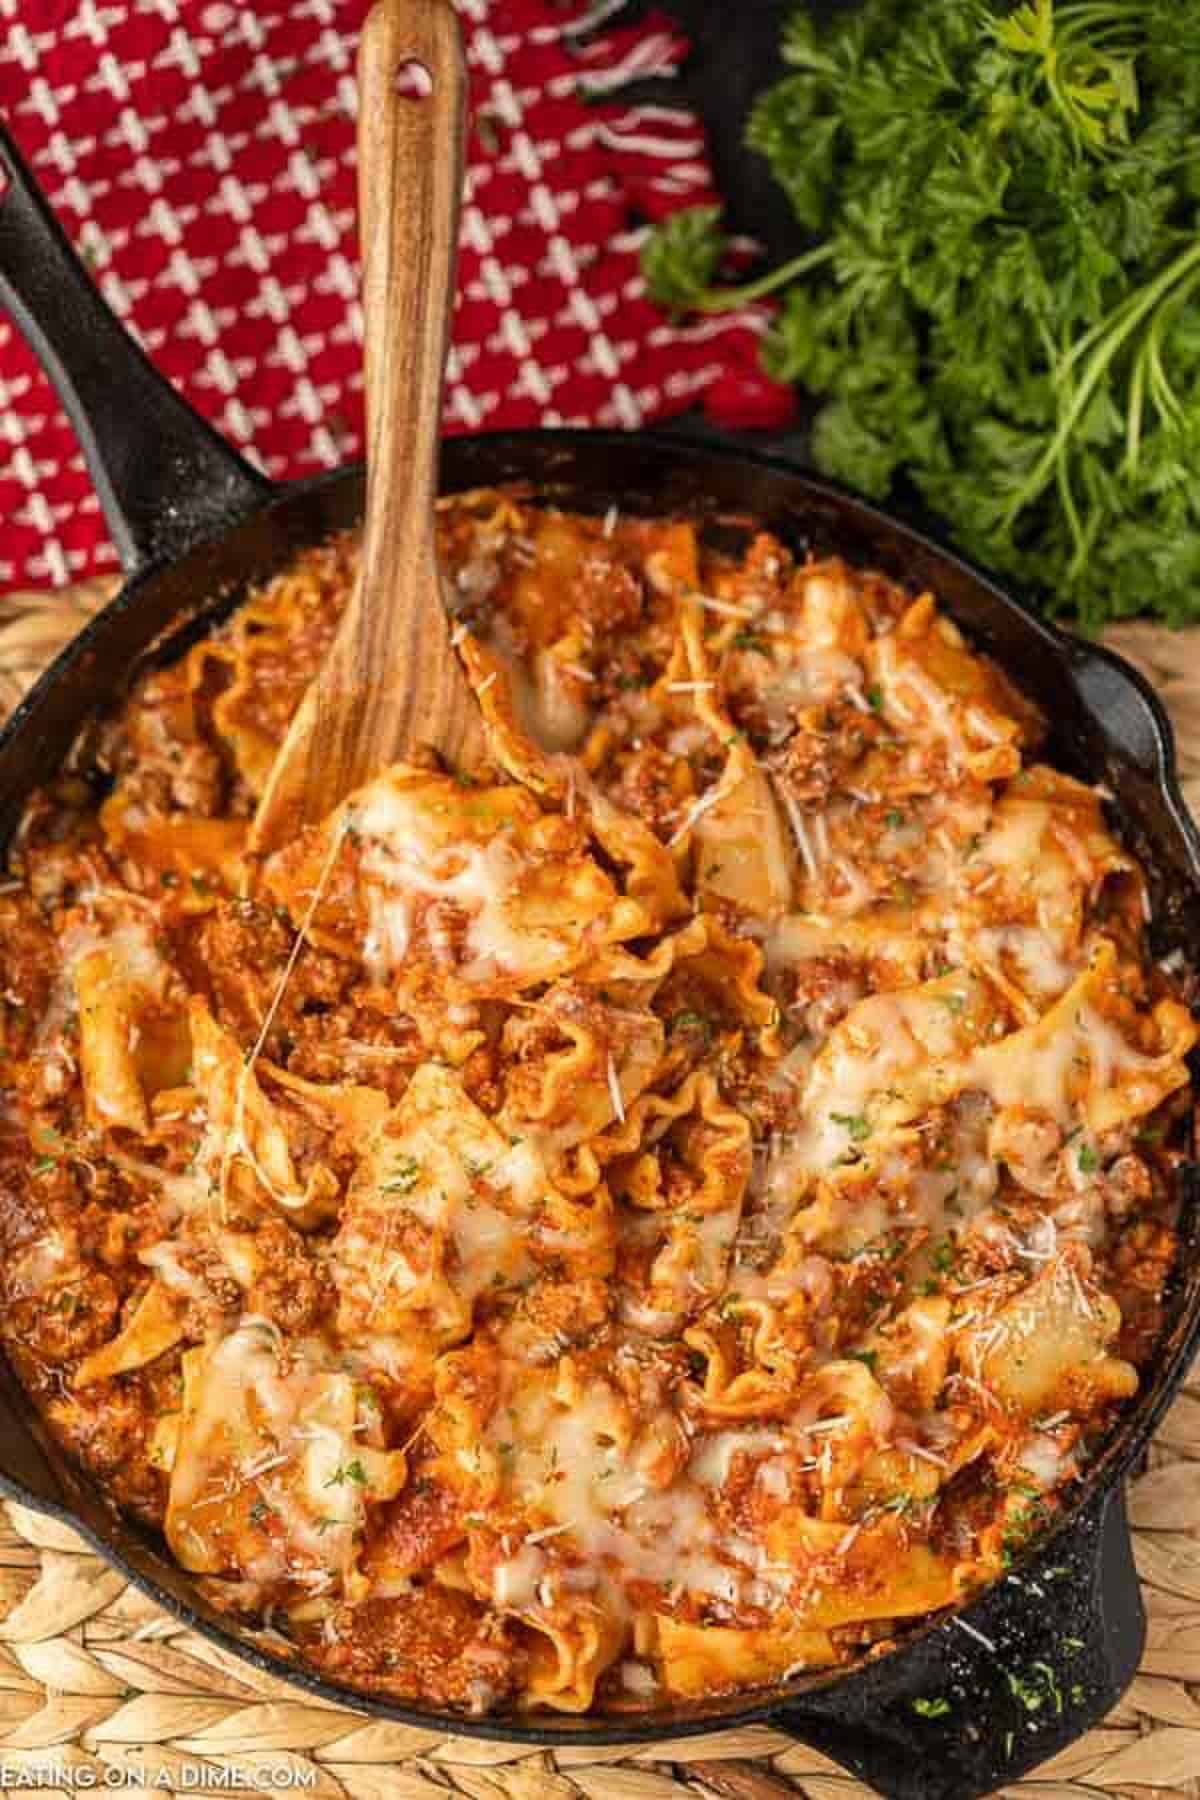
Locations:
(201, 155)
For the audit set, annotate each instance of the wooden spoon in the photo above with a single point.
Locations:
(392, 683)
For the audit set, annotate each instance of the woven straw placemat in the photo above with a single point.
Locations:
(94, 1679)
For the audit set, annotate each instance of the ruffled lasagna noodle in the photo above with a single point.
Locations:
(663, 1214)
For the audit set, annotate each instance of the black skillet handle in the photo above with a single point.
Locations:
(972, 1706)
(164, 477)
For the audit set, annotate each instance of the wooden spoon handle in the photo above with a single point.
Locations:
(412, 98)
(392, 681)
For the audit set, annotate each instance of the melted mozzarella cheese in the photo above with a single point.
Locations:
(888, 1056)
(578, 1463)
(713, 1456)
(1059, 1071)
(400, 859)
(1033, 954)
(906, 686)
(129, 944)
(266, 1429)
(164, 1261)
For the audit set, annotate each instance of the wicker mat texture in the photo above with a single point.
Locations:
(95, 1679)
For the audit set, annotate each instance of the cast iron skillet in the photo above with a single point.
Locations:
(966, 1704)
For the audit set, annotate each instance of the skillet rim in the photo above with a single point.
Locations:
(1101, 1484)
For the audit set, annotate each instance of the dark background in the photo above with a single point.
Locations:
(735, 55)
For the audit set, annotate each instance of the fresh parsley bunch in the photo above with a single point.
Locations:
(1002, 301)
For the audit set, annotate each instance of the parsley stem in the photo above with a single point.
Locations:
(1164, 395)
(1133, 416)
(1102, 343)
(1114, 16)
(720, 299)
(1149, 366)
(1062, 476)
(1134, 302)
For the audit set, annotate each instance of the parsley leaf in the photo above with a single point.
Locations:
(944, 1254)
(682, 258)
(694, 1021)
(345, 1472)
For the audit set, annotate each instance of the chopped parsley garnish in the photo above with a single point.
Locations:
(408, 1173)
(857, 1124)
(1087, 1159)
(694, 1021)
(931, 1709)
(1033, 1693)
(1028, 1524)
(904, 1505)
(348, 1472)
(944, 1254)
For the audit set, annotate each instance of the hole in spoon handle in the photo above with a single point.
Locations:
(412, 80)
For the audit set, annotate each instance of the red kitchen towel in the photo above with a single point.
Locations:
(201, 155)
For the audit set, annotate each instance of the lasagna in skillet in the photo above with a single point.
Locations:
(664, 1215)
